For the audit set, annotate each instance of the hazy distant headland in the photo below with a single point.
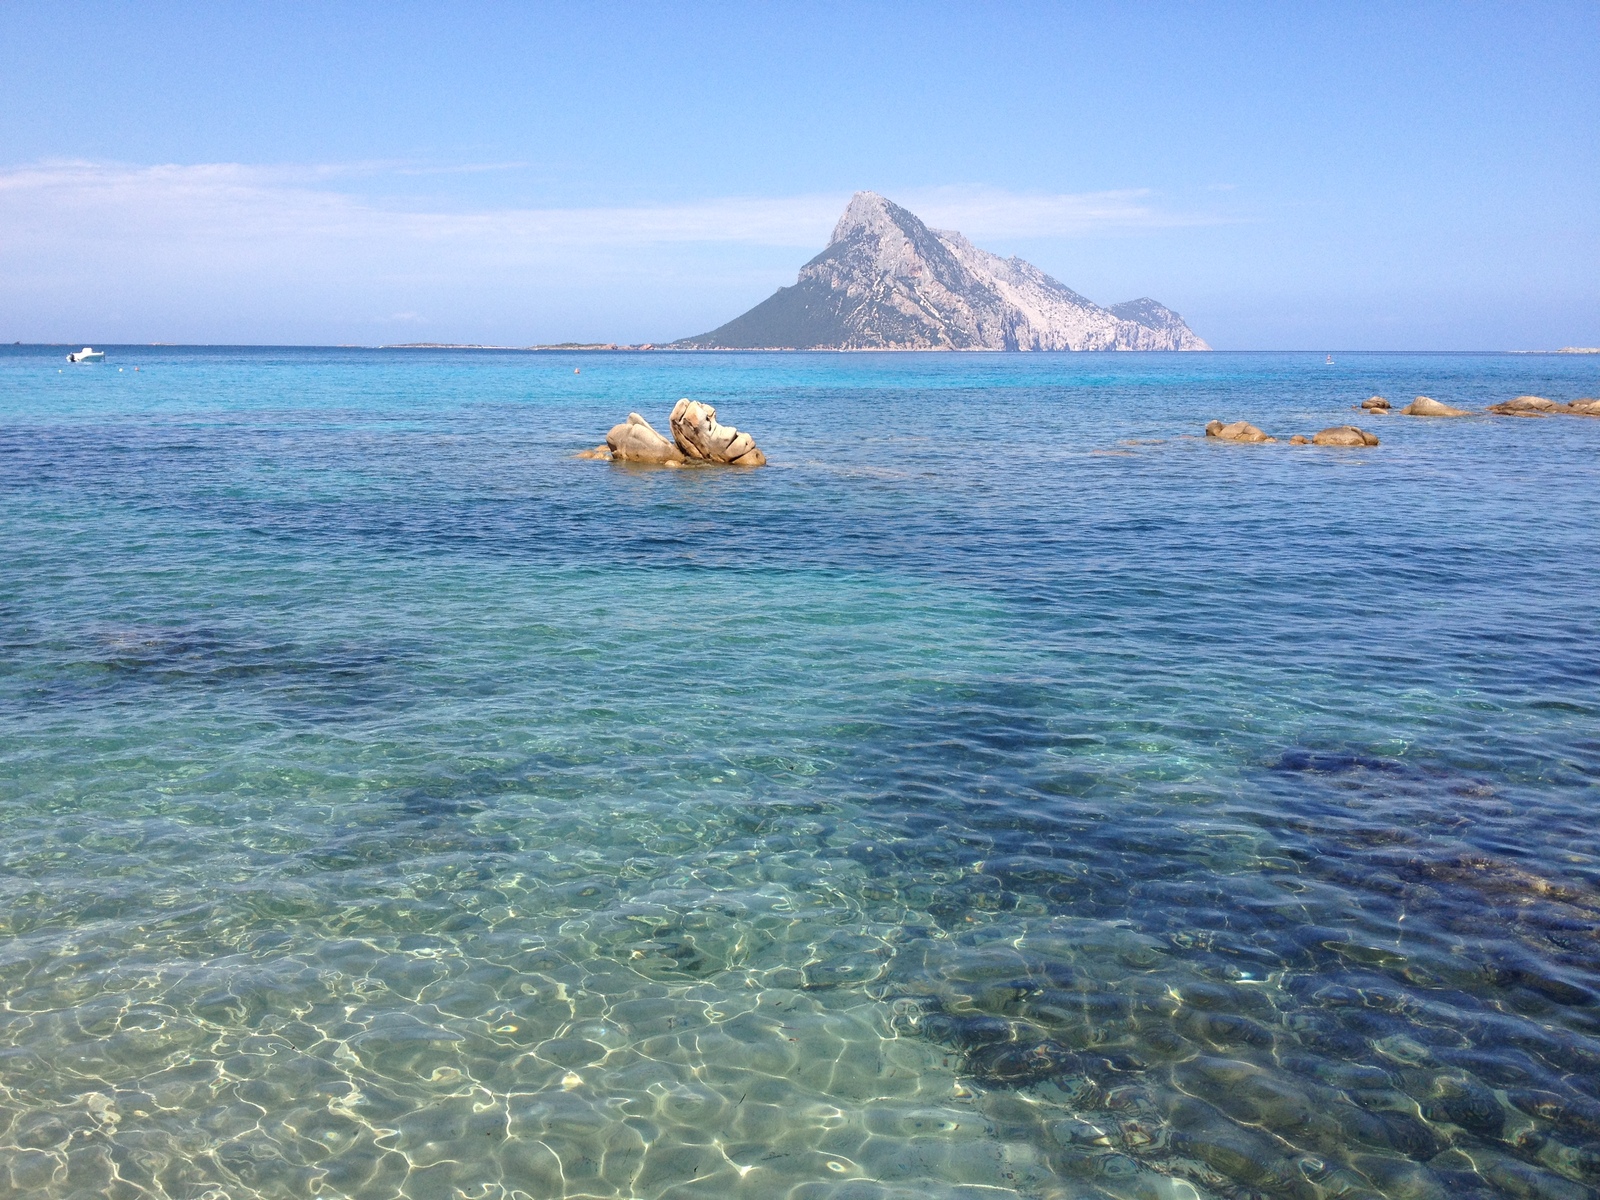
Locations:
(539, 346)
(888, 282)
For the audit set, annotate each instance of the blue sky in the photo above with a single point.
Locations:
(1366, 176)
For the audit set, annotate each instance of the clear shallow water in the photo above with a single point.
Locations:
(1002, 794)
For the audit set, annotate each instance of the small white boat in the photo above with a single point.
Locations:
(87, 354)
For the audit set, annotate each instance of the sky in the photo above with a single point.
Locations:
(1330, 176)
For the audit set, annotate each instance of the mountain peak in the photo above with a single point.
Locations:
(885, 281)
(867, 212)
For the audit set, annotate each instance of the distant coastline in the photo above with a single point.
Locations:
(549, 346)
(680, 348)
(674, 348)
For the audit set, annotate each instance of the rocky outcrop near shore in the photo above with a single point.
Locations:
(636, 440)
(1238, 431)
(1344, 435)
(697, 437)
(1538, 406)
(1424, 406)
(1526, 406)
(886, 281)
(1338, 435)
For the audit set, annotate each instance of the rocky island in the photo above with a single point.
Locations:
(888, 282)
(697, 437)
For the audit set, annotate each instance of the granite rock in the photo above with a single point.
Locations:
(1424, 406)
(1239, 431)
(1344, 435)
(1527, 406)
(699, 436)
(636, 440)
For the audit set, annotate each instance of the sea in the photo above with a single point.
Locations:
(1007, 792)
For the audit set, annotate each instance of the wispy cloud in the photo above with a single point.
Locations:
(346, 250)
(994, 212)
(236, 202)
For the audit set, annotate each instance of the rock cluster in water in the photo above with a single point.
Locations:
(1422, 406)
(1538, 406)
(1518, 406)
(1338, 435)
(697, 436)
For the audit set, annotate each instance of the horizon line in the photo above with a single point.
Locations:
(669, 348)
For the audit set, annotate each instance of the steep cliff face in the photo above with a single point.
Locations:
(888, 282)
(1160, 320)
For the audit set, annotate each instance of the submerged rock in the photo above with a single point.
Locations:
(636, 440)
(1299, 439)
(1019, 1064)
(1333, 761)
(971, 1030)
(1239, 431)
(1466, 1102)
(600, 452)
(1345, 435)
(699, 436)
(1375, 404)
(1425, 406)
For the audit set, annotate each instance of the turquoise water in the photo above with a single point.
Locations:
(1005, 793)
